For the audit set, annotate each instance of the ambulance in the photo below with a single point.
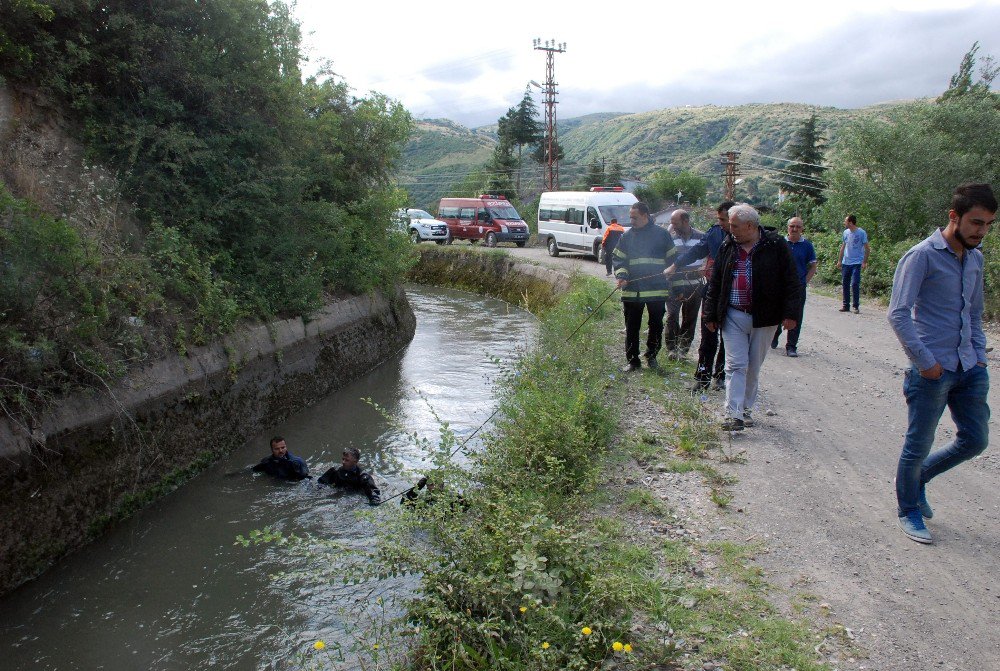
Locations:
(490, 218)
(574, 221)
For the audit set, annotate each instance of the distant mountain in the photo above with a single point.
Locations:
(682, 138)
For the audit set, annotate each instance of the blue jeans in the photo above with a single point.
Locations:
(964, 392)
(850, 278)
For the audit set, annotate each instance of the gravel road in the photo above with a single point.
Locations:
(817, 488)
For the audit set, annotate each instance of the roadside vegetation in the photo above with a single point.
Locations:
(545, 552)
(247, 192)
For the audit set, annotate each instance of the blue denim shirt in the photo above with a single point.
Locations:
(937, 305)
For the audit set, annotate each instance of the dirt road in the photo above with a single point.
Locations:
(817, 488)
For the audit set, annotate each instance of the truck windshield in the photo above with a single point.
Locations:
(619, 212)
(418, 214)
(508, 213)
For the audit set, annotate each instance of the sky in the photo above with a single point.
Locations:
(471, 61)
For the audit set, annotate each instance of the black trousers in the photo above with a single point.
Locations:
(633, 324)
(793, 335)
(682, 318)
(711, 355)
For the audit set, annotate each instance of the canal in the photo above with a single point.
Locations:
(168, 589)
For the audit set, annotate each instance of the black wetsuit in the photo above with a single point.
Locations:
(354, 478)
(288, 467)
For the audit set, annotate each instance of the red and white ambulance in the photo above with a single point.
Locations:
(490, 218)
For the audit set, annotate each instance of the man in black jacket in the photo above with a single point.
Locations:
(282, 463)
(640, 261)
(754, 287)
(350, 475)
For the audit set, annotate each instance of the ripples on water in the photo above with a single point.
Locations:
(168, 590)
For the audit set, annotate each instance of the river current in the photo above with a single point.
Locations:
(168, 589)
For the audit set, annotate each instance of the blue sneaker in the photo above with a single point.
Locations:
(912, 525)
(925, 508)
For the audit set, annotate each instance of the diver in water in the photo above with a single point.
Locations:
(282, 463)
(350, 475)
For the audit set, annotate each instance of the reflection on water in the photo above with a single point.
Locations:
(168, 589)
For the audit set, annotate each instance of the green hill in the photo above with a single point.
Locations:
(689, 138)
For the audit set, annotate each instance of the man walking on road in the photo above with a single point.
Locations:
(852, 259)
(711, 349)
(754, 287)
(936, 311)
(640, 261)
(685, 291)
(805, 263)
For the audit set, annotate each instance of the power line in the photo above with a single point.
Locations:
(786, 160)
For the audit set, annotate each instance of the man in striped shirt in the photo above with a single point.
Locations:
(685, 290)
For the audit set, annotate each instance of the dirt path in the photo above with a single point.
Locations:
(817, 488)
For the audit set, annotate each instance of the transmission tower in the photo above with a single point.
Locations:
(551, 145)
(731, 163)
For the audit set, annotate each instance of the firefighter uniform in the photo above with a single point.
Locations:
(640, 258)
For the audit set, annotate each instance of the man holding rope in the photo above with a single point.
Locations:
(640, 262)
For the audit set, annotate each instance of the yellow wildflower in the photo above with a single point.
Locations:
(587, 631)
(523, 609)
(628, 647)
(545, 645)
(319, 645)
(375, 647)
(617, 646)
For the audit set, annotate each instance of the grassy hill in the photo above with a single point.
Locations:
(683, 138)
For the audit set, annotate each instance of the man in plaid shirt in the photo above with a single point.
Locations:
(754, 287)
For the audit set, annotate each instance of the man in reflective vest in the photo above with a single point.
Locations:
(640, 262)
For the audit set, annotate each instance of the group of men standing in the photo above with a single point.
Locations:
(756, 286)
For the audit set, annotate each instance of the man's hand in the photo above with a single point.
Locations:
(711, 326)
(838, 265)
(864, 265)
(789, 324)
(621, 283)
(671, 270)
(933, 373)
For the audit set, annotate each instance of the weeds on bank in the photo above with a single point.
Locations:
(509, 570)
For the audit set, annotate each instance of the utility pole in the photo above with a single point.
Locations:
(731, 163)
(551, 145)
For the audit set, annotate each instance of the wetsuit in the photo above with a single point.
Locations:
(353, 478)
(288, 467)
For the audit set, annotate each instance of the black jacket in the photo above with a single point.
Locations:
(775, 290)
(288, 467)
(353, 479)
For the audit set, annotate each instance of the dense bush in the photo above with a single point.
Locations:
(255, 193)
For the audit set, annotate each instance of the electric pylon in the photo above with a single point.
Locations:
(551, 144)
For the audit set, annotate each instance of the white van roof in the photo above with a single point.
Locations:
(589, 197)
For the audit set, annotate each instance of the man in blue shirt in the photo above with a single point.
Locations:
(936, 311)
(805, 263)
(852, 259)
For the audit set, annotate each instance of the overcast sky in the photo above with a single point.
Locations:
(470, 61)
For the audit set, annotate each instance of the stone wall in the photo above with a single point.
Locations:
(98, 456)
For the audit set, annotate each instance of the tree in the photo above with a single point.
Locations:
(525, 129)
(805, 174)
(961, 83)
(666, 184)
(501, 168)
(595, 175)
(613, 177)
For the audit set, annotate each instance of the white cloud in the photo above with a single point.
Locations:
(471, 62)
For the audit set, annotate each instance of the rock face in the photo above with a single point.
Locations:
(98, 456)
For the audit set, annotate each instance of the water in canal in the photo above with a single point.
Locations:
(169, 590)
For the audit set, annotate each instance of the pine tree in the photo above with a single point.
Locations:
(525, 128)
(595, 175)
(805, 175)
(613, 177)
